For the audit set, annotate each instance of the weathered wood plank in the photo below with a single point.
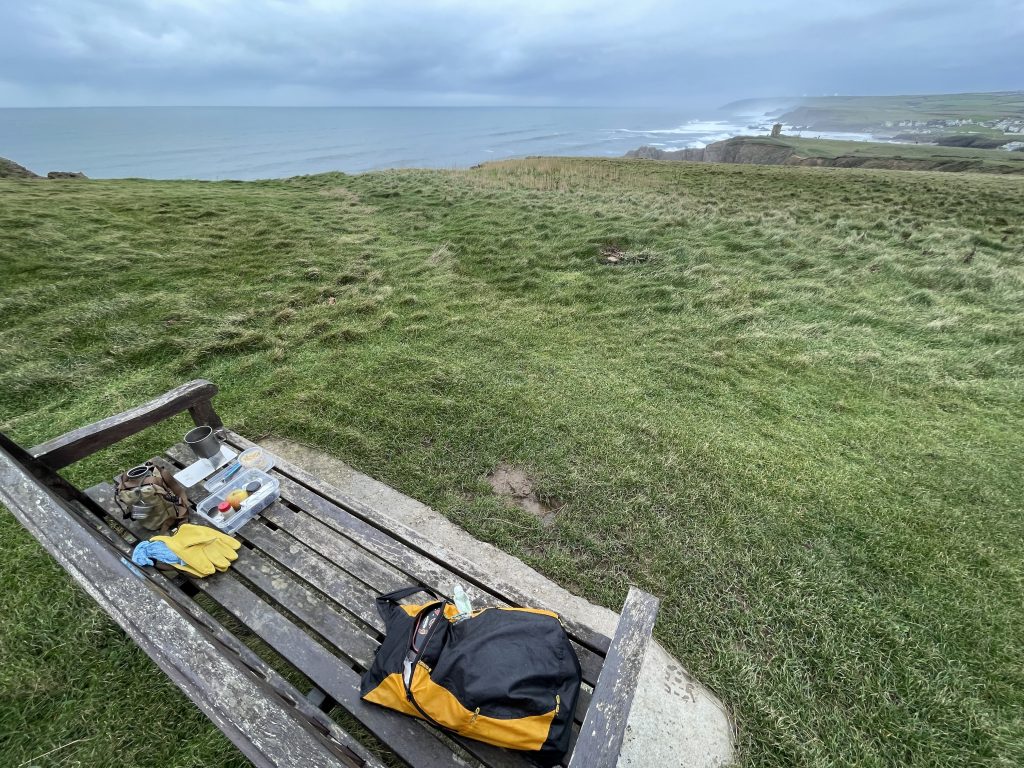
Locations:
(332, 625)
(374, 557)
(339, 549)
(467, 570)
(203, 414)
(412, 742)
(418, 567)
(79, 443)
(255, 721)
(102, 495)
(604, 727)
(352, 560)
(412, 566)
(352, 595)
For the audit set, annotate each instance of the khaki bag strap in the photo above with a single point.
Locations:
(175, 493)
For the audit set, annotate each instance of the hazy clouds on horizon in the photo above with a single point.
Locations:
(500, 52)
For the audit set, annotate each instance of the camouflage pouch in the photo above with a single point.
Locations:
(152, 497)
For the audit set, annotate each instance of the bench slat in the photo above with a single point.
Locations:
(604, 727)
(352, 595)
(338, 549)
(413, 742)
(372, 556)
(315, 613)
(251, 716)
(466, 569)
(418, 567)
(102, 496)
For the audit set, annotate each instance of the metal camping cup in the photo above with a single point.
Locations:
(140, 471)
(203, 442)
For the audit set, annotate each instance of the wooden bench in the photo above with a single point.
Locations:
(304, 585)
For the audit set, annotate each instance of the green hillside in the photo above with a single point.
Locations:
(791, 407)
(814, 152)
(810, 147)
(872, 113)
(923, 155)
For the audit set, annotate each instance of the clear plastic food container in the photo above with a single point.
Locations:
(229, 522)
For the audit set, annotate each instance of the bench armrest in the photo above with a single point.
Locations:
(604, 726)
(70, 447)
(262, 714)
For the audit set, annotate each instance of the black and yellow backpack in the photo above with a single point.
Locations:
(504, 676)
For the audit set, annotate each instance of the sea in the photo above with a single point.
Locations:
(277, 142)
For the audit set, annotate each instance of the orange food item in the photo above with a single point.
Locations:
(236, 497)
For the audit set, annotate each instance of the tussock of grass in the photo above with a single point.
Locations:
(799, 421)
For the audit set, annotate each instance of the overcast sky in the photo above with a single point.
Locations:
(482, 52)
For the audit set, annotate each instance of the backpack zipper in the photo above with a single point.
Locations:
(408, 683)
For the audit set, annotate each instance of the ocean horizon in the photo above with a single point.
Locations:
(274, 142)
(251, 142)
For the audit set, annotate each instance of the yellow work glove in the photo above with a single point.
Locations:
(202, 550)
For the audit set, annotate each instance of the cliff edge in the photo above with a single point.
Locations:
(11, 170)
(740, 149)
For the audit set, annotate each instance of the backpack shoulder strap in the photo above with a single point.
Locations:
(386, 604)
(398, 594)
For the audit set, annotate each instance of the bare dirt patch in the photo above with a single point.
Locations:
(613, 255)
(517, 487)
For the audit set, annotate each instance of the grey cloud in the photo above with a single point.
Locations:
(504, 51)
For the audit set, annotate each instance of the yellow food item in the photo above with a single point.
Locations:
(236, 497)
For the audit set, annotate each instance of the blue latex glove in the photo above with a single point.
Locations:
(146, 552)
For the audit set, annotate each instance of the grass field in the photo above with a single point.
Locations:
(858, 113)
(996, 160)
(794, 411)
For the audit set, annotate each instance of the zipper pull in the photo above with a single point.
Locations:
(476, 714)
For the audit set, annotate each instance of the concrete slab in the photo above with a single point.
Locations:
(675, 721)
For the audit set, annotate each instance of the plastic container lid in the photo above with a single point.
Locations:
(256, 458)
